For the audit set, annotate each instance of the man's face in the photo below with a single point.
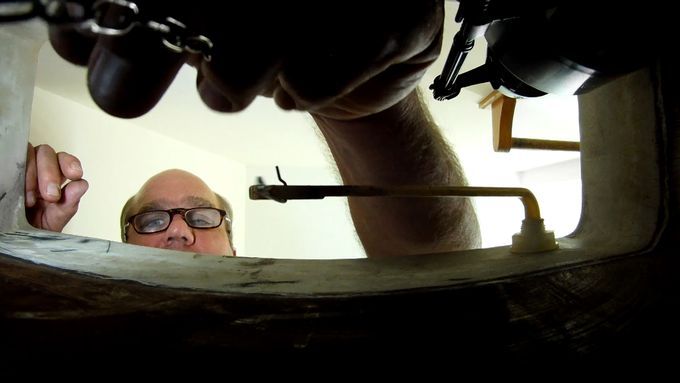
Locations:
(179, 189)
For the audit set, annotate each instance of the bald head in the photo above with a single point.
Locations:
(177, 188)
(164, 184)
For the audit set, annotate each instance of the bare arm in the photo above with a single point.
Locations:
(401, 146)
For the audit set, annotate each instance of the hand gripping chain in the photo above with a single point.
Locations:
(91, 19)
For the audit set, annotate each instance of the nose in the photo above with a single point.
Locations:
(179, 234)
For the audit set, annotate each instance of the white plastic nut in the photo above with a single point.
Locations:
(533, 238)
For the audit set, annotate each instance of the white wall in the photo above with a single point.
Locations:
(311, 229)
(118, 157)
(558, 189)
(553, 176)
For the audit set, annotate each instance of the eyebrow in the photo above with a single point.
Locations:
(153, 205)
(161, 204)
(195, 201)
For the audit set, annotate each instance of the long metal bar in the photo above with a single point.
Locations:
(285, 193)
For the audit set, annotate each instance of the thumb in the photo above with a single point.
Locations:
(59, 214)
(72, 193)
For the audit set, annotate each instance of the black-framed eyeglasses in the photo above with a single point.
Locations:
(155, 221)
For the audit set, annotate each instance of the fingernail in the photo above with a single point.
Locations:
(30, 198)
(76, 166)
(53, 190)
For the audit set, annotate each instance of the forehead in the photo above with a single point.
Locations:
(178, 190)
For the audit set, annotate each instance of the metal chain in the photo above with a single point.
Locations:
(174, 34)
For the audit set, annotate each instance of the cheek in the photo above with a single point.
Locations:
(144, 240)
(212, 242)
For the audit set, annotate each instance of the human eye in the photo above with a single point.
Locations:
(151, 222)
(203, 217)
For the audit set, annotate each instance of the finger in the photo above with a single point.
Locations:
(341, 58)
(67, 40)
(58, 215)
(246, 57)
(49, 174)
(383, 90)
(228, 85)
(378, 94)
(129, 74)
(73, 192)
(71, 44)
(70, 166)
(337, 57)
(31, 177)
(283, 99)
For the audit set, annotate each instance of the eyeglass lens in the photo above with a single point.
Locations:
(154, 221)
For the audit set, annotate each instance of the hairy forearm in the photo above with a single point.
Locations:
(401, 146)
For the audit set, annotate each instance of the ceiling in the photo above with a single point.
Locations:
(264, 135)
